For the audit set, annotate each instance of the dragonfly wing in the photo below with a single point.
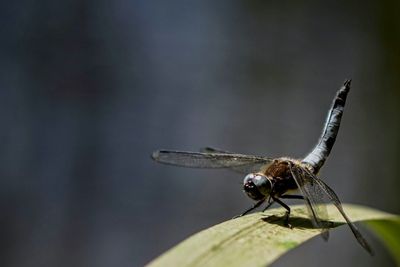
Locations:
(214, 150)
(335, 200)
(314, 198)
(316, 192)
(209, 160)
(244, 169)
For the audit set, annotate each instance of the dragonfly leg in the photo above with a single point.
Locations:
(287, 211)
(256, 205)
(269, 204)
(292, 197)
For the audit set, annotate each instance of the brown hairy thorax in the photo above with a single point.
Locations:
(281, 176)
(279, 168)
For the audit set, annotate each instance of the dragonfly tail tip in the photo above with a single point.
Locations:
(347, 83)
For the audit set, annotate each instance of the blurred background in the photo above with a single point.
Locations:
(88, 89)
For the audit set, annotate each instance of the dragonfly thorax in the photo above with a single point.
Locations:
(257, 186)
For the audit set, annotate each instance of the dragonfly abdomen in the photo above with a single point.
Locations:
(321, 151)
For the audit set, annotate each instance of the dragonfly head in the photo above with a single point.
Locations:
(257, 186)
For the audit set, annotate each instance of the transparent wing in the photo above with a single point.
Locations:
(214, 150)
(316, 192)
(314, 198)
(245, 169)
(209, 160)
(335, 200)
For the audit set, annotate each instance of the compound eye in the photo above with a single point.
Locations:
(249, 177)
(258, 177)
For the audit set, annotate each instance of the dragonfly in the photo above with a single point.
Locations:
(270, 180)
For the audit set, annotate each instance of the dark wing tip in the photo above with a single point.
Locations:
(207, 149)
(366, 246)
(325, 234)
(370, 251)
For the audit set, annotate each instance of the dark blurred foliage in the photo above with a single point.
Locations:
(88, 89)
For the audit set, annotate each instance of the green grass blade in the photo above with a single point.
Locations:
(388, 231)
(259, 239)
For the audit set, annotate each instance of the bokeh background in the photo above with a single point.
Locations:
(88, 89)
